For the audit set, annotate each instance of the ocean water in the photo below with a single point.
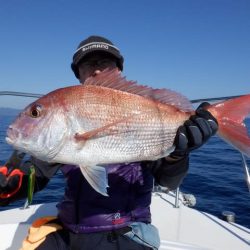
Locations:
(216, 178)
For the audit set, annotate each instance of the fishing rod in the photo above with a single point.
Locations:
(24, 94)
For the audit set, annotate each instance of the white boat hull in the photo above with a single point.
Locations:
(180, 228)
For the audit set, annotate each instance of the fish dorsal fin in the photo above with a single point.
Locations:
(113, 79)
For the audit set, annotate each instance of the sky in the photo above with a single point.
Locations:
(200, 48)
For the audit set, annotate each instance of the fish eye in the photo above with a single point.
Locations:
(35, 111)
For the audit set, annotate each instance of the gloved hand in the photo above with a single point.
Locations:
(9, 183)
(11, 176)
(195, 131)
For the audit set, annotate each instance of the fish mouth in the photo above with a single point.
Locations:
(12, 135)
(8, 140)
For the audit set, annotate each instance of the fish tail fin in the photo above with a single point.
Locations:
(230, 115)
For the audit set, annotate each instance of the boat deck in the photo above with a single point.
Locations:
(180, 228)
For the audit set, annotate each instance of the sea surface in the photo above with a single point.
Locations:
(216, 178)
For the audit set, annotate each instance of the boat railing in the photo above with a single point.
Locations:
(246, 170)
(25, 94)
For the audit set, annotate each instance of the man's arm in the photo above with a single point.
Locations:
(14, 181)
(170, 171)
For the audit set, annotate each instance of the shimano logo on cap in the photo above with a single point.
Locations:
(95, 46)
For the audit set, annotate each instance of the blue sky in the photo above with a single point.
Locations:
(200, 48)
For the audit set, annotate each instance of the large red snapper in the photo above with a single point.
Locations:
(112, 120)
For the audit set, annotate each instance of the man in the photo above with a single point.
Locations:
(86, 219)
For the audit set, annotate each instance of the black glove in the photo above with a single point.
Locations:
(9, 183)
(11, 176)
(14, 177)
(195, 131)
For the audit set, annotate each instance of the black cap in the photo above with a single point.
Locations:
(93, 44)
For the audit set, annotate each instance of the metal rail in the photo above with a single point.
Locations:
(15, 93)
(177, 195)
(215, 99)
(246, 170)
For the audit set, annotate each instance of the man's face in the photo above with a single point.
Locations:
(94, 64)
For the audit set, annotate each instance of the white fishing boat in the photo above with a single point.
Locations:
(179, 225)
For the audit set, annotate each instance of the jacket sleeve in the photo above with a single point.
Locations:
(170, 171)
(43, 172)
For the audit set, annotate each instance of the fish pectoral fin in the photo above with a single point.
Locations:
(102, 131)
(96, 177)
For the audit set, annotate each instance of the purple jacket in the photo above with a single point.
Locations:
(84, 210)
